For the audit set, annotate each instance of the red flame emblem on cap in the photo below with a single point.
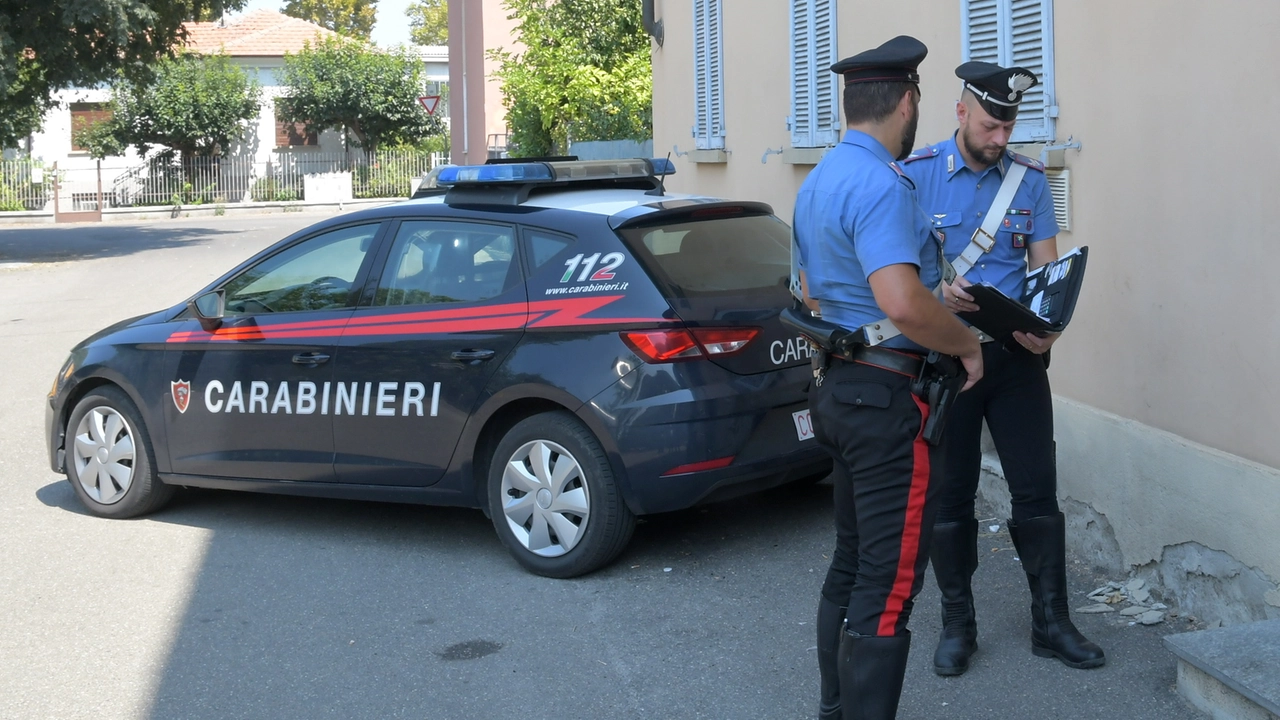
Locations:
(181, 391)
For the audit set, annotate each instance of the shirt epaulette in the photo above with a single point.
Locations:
(1024, 160)
(902, 175)
(924, 152)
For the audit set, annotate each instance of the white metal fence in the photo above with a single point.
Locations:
(24, 186)
(167, 180)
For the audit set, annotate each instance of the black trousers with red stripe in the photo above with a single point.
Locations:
(886, 480)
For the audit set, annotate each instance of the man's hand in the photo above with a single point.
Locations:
(973, 366)
(955, 298)
(1035, 343)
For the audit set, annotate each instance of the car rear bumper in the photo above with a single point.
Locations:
(695, 433)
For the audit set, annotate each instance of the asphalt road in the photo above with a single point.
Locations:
(231, 605)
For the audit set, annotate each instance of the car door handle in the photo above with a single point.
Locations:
(310, 358)
(472, 355)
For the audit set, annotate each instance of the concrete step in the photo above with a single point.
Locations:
(1231, 673)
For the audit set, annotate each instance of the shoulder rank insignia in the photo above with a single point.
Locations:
(1024, 160)
(902, 175)
(925, 152)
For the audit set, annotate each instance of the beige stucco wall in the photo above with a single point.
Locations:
(1170, 191)
(1168, 410)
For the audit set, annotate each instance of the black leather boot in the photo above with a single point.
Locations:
(871, 672)
(830, 628)
(954, 554)
(1041, 543)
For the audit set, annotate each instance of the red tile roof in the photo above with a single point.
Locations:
(261, 33)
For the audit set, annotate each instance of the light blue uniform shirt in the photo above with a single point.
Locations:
(957, 200)
(857, 213)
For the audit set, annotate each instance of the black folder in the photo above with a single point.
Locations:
(1046, 305)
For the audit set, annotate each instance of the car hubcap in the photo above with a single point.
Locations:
(103, 452)
(545, 498)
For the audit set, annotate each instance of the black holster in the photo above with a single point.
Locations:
(938, 384)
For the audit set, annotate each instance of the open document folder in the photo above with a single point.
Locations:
(1048, 299)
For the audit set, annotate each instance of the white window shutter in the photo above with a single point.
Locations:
(708, 61)
(815, 94)
(803, 88)
(1016, 32)
(826, 89)
(701, 119)
(981, 20)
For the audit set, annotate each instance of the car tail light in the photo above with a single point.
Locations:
(660, 346)
(700, 466)
(724, 341)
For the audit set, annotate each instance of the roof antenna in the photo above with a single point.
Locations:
(661, 190)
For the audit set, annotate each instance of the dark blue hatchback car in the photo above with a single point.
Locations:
(561, 344)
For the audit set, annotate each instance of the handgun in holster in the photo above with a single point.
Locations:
(824, 338)
(938, 384)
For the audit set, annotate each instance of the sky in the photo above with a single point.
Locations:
(391, 28)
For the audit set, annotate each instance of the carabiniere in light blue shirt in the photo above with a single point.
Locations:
(957, 200)
(855, 214)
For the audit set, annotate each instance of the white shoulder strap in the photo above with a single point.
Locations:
(984, 238)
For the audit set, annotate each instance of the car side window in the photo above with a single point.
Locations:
(543, 246)
(315, 274)
(436, 261)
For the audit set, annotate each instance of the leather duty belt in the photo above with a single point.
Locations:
(902, 363)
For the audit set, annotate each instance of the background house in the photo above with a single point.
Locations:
(270, 161)
(1153, 118)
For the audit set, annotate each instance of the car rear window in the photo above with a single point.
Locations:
(716, 255)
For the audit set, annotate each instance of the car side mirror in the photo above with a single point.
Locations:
(209, 309)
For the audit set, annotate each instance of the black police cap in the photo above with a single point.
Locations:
(998, 89)
(894, 61)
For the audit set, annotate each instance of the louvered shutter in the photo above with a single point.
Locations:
(815, 98)
(803, 88)
(1016, 32)
(982, 31)
(826, 89)
(708, 62)
(1028, 33)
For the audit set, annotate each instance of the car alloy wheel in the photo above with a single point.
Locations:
(545, 498)
(110, 462)
(103, 451)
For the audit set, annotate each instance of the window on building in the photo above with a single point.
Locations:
(85, 116)
(815, 94)
(708, 69)
(1016, 32)
(294, 134)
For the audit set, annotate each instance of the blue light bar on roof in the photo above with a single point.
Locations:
(516, 173)
(548, 172)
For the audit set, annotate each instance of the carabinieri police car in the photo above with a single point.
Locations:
(563, 345)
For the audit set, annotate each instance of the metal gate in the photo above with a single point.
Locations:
(77, 194)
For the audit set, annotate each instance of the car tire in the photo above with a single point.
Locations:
(110, 462)
(553, 497)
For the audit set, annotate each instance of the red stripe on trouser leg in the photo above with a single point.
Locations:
(910, 545)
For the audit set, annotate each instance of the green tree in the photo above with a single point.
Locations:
(584, 74)
(47, 45)
(196, 105)
(369, 94)
(354, 18)
(429, 22)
